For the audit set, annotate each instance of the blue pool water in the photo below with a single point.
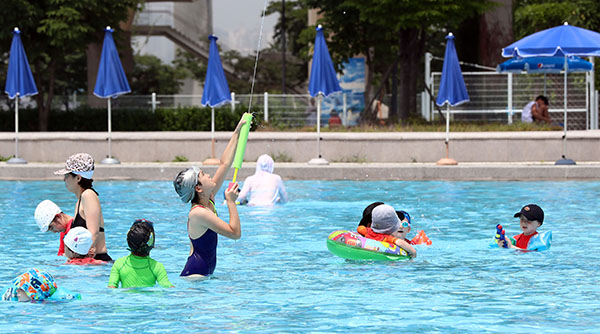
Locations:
(280, 276)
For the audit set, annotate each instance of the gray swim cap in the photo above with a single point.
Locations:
(185, 183)
(384, 219)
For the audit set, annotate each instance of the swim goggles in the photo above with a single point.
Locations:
(403, 214)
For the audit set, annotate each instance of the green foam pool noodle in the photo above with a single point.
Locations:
(241, 147)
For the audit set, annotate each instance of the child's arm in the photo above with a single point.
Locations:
(407, 247)
(161, 275)
(113, 281)
(227, 158)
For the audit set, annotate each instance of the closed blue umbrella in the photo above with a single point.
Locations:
(216, 91)
(19, 82)
(562, 41)
(452, 90)
(323, 82)
(110, 81)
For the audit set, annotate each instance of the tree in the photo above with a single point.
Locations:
(268, 73)
(150, 75)
(389, 31)
(534, 15)
(296, 13)
(55, 35)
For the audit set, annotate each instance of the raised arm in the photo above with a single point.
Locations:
(209, 220)
(227, 158)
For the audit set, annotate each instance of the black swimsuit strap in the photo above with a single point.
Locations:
(101, 229)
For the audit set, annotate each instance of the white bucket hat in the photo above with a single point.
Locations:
(80, 164)
(45, 213)
(384, 219)
(79, 240)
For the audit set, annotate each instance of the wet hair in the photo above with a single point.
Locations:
(543, 98)
(140, 237)
(366, 216)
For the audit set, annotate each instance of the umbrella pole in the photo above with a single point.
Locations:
(109, 131)
(17, 127)
(319, 126)
(110, 160)
(565, 114)
(16, 159)
(447, 160)
(212, 131)
(447, 129)
(564, 160)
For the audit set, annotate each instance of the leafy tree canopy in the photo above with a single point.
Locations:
(56, 34)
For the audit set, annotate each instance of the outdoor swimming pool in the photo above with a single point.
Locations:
(280, 277)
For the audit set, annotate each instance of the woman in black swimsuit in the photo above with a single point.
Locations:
(78, 172)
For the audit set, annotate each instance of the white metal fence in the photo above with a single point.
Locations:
(502, 96)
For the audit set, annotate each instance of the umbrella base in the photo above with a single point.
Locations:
(211, 161)
(110, 161)
(16, 161)
(446, 162)
(565, 161)
(318, 161)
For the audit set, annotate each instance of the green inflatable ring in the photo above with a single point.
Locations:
(352, 246)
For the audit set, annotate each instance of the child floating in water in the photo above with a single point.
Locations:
(138, 269)
(403, 230)
(32, 285)
(77, 246)
(384, 223)
(531, 217)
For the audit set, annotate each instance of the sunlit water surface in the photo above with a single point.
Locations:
(280, 277)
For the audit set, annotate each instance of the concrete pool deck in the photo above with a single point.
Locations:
(523, 171)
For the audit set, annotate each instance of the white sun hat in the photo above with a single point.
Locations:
(79, 240)
(45, 213)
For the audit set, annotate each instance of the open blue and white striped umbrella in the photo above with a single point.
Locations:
(323, 82)
(19, 83)
(110, 82)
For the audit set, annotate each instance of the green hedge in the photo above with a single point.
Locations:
(96, 119)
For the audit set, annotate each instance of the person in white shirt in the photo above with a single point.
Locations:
(536, 111)
(263, 188)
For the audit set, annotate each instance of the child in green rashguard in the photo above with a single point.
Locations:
(138, 269)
